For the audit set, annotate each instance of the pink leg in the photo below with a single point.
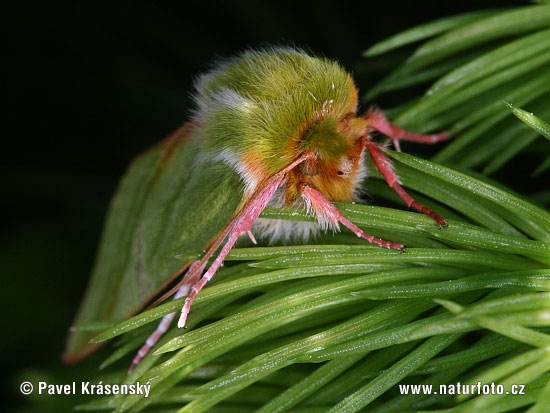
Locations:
(383, 164)
(165, 322)
(152, 340)
(328, 214)
(241, 224)
(378, 121)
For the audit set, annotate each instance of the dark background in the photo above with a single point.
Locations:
(90, 85)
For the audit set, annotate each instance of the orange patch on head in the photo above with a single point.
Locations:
(335, 178)
(328, 179)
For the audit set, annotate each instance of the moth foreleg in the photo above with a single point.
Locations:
(239, 225)
(378, 121)
(384, 165)
(242, 225)
(327, 214)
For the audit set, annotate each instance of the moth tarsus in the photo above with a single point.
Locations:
(273, 127)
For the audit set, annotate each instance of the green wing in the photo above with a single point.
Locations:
(168, 203)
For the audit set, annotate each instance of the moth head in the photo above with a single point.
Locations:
(324, 138)
(337, 169)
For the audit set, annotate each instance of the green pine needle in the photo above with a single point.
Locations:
(340, 305)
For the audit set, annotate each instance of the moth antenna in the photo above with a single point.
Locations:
(384, 165)
(327, 212)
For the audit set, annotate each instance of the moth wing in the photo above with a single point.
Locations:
(168, 204)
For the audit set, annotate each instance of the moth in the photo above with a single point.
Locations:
(272, 127)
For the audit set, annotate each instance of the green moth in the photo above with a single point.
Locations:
(275, 127)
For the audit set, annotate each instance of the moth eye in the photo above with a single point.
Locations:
(345, 167)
